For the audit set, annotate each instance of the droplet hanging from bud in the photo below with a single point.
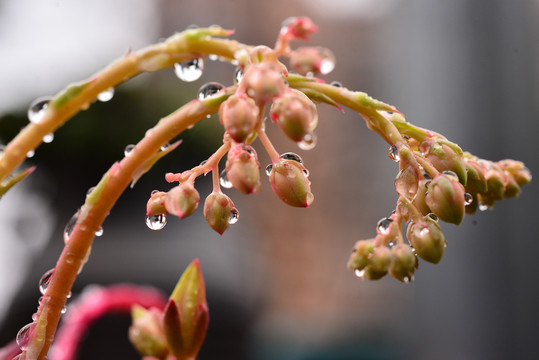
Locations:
(156, 222)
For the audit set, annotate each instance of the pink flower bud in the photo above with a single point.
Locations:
(427, 239)
(182, 200)
(361, 254)
(186, 316)
(217, 211)
(518, 171)
(290, 183)
(445, 198)
(146, 333)
(295, 114)
(444, 156)
(243, 169)
(379, 263)
(263, 82)
(404, 263)
(239, 115)
(298, 27)
(312, 60)
(156, 203)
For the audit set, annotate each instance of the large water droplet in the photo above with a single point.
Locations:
(326, 66)
(308, 142)
(234, 216)
(48, 138)
(209, 89)
(268, 169)
(24, 335)
(99, 231)
(360, 273)
(156, 222)
(45, 281)
(128, 149)
(394, 153)
(468, 198)
(383, 225)
(223, 180)
(37, 109)
(106, 95)
(292, 156)
(238, 75)
(70, 226)
(189, 70)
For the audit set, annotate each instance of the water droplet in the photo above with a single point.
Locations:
(336, 84)
(45, 281)
(223, 180)
(360, 273)
(213, 57)
(285, 24)
(34, 316)
(203, 162)
(128, 149)
(234, 216)
(47, 139)
(24, 335)
(90, 191)
(189, 70)
(17, 357)
(308, 142)
(451, 174)
(37, 109)
(394, 153)
(292, 156)
(483, 207)
(154, 192)
(164, 147)
(106, 95)
(99, 231)
(424, 232)
(327, 66)
(426, 176)
(70, 226)
(468, 198)
(383, 225)
(64, 310)
(268, 169)
(306, 172)
(209, 89)
(30, 154)
(238, 75)
(391, 243)
(433, 217)
(69, 295)
(156, 222)
(409, 278)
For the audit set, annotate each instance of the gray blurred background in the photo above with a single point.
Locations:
(277, 284)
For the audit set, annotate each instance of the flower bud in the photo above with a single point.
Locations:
(217, 209)
(186, 317)
(295, 114)
(379, 263)
(146, 333)
(298, 27)
(314, 60)
(427, 239)
(404, 263)
(518, 171)
(512, 189)
(361, 254)
(444, 157)
(495, 183)
(476, 182)
(182, 200)
(419, 200)
(263, 82)
(243, 169)
(239, 115)
(445, 198)
(156, 203)
(289, 181)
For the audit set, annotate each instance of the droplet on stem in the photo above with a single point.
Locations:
(48, 138)
(383, 225)
(156, 222)
(209, 89)
(36, 111)
(128, 149)
(70, 226)
(106, 95)
(24, 335)
(45, 281)
(189, 70)
(223, 180)
(30, 154)
(99, 231)
(394, 153)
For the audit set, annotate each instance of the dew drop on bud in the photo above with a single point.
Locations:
(308, 142)
(468, 198)
(483, 207)
(70, 226)
(238, 75)
(156, 222)
(37, 109)
(64, 310)
(30, 154)
(45, 281)
(394, 153)
(209, 89)
(189, 70)
(383, 225)
(24, 335)
(223, 180)
(336, 84)
(234, 216)
(327, 66)
(360, 273)
(213, 57)
(90, 190)
(268, 169)
(292, 156)
(47, 139)
(433, 217)
(451, 174)
(99, 231)
(128, 149)
(408, 278)
(306, 172)
(203, 162)
(391, 243)
(106, 95)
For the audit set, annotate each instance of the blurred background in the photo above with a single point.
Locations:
(277, 282)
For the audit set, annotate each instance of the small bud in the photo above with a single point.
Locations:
(496, 180)
(186, 315)
(404, 263)
(512, 189)
(217, 208)
(314, 60)
(379, 263)
(427, 239)
(445, 198)
(182, 200)
(156, 203)
(419, 200)
(518, 171)
(361, 254)
(289, 181)
(263, 82)
(295, 114)
(476, 182)
(146, 333)
(444, 157)
(243, 169)
(239, 115)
